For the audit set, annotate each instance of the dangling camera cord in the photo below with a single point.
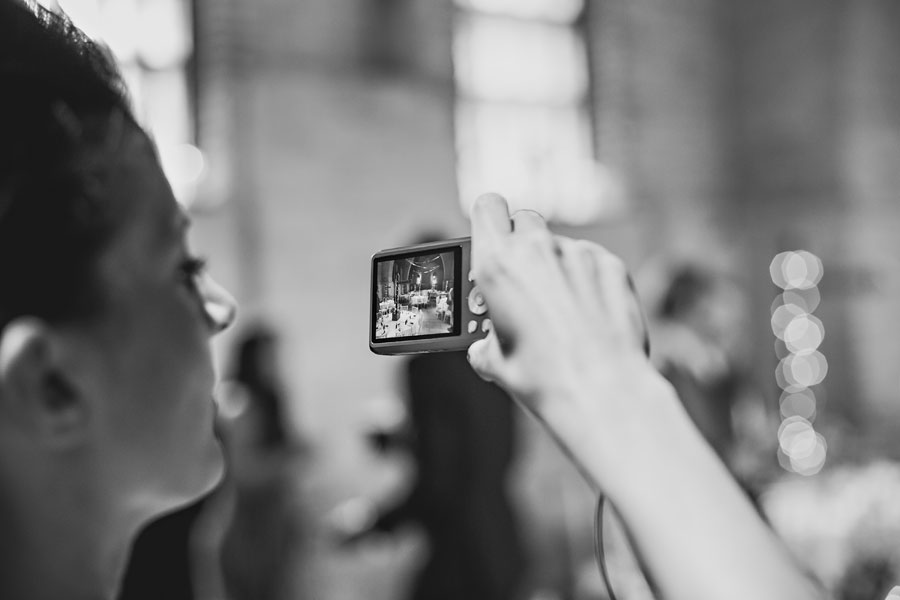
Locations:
(599, 552)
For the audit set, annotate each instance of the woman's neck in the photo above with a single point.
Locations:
(56, 544)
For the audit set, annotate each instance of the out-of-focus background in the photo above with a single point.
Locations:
(743, 158)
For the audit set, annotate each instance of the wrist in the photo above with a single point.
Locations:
(615, 420)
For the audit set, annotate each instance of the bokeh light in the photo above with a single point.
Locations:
(185, 168)
(804, 333)
(782, 381)
(808, 299)
(801, 448)
(784, 460)
(801, 270)
(796, 270)
(798, 336)
(801, 403)
(782, 317)
(781, 349)
(805, 370)
(808, 465)
(796, 436)
(183, 163)
(232, 400)
(812, 462)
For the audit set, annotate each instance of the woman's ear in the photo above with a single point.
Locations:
(36, 394)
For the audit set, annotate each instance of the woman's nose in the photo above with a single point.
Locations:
(219, 306)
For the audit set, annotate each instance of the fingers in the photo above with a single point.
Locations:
(486, 357)
(620, 296)
(601, 278)
(490, 224)
(579, 267)
(528, 220)
(490, 218)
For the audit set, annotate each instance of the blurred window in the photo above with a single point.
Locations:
(523, 111)
(153, 43)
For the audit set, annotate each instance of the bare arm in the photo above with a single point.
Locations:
(567, 344)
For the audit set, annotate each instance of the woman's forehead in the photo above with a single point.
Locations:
(139, 185)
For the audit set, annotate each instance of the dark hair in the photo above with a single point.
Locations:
(63, 101)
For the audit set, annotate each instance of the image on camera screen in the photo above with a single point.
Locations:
(414, 296)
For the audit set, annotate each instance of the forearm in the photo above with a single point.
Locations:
(695, 531)
(567, 342)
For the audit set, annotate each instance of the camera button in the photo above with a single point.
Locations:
(477, 304)
(486, 325)
(473, 326)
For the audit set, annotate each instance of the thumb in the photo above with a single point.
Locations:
(486, 358)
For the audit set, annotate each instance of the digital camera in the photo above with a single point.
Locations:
(423, 299)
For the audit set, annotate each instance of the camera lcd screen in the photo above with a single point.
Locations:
(416, 295)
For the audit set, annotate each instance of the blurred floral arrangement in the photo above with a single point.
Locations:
(844, 525)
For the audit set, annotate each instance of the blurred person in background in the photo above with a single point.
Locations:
(256, 371)
(697, 324)
(461, 439)
(250, 536)
(106, 374)
(238, 542)
(692, 330)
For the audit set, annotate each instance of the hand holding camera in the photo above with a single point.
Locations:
(546, 317)
(561, 309)
(568, 338)
(568, 341)
(552, 320)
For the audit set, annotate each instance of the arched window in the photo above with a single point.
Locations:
(523, 114)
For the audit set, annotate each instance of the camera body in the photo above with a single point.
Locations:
(423, 299)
